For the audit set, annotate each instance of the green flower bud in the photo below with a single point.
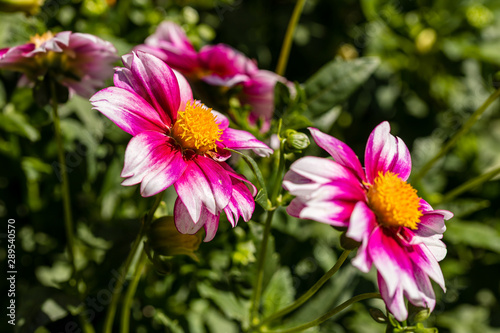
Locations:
(378, 315)
(165, 240)
(295, 141)
(417, 314)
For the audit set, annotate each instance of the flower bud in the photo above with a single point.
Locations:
(418, 314)
(378, 315)
(28, 6)
(295, 141)
(165, 240)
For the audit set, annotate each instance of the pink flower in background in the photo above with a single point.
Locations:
(218, 65)
(178, 141)
(399, 232)
(81, 62)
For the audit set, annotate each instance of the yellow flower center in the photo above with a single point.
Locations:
(394, 201)
(40, 39)
(197, 128)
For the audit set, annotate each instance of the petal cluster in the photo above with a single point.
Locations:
(81, 62)
(342, 193)
(149, 101)
(219, 65)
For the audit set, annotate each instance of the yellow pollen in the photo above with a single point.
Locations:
(40, 39)
(197, 128)
(394, 201)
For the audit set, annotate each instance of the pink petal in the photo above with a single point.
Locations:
(185, 90)
(393, 300)
(183, 220)
(165, 174)
(241, 203)
(159, 83)
(321, 170)
(219, 180)
(127, 110)
(241, 178)
(384, 152)
(340, 152)
(361, 225)
(195, 191)
(335, 212)
(238, 139)
(151, 159)
(186, 225)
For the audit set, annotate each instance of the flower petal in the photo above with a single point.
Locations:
(361, 226)
(393, 300)
(195, 191)
(185, 225)
(238, 139)
(241, 203)
(127, 110)
(385, 152)
(159, 83)
(340, 152)
(219, 180)
(321, 170)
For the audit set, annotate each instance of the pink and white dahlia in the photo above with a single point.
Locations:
(81, 62)
(218, 65)
(178, 141)
(399, 232)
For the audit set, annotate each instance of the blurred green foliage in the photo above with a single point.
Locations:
(437, 61)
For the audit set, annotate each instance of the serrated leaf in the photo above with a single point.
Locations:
(336, 81)
(279, 292)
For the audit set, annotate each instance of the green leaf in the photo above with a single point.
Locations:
(279, 292)
(336, 81)
(231, 306)
(473, 234)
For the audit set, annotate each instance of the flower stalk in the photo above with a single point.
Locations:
(129, 296)
(327, 315)
(287, 41)
(136, 248)
(68, 219)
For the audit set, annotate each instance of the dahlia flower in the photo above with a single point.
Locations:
(218, 65)
(79, 61)
(399, 233)
(178, 141)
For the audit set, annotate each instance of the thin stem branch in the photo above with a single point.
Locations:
(470, 184)
(308, 294)
(254, 309)
(68, 219)
(129, 295)
(465, 128)
(279, 175)
(327, 315)
(110, 314)
(287, 41)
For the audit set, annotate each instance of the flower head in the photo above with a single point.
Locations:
(178, 141)
(78, 61)
(218, 65)
(399, 232)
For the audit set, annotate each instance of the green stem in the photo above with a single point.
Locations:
(279, 175)
(129, 295)
(302, 299)
(327, 315)
(254, 309)
(68, 219)
(287, 41)
(110, 314)
(465, 128)
(470, 184)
